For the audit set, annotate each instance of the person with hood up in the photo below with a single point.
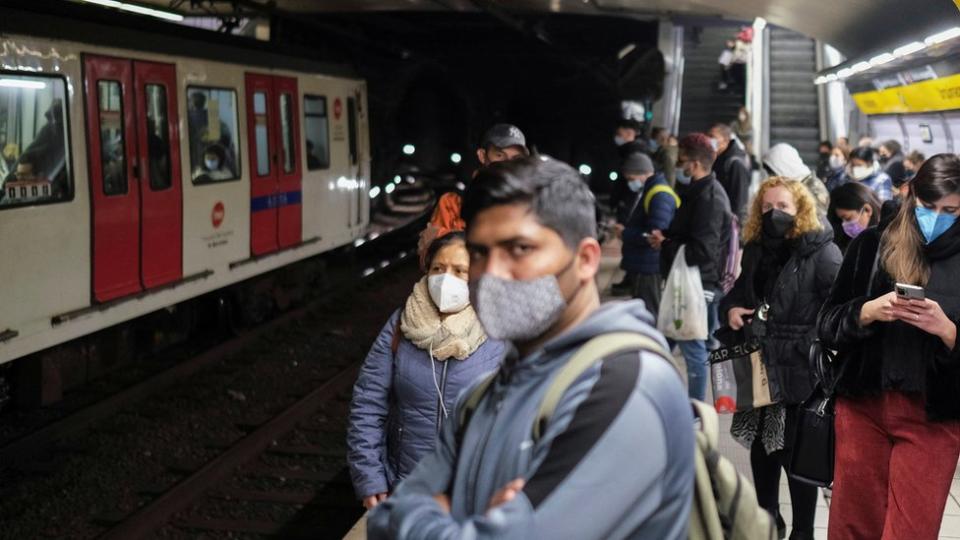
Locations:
(789, 263)
(426, 354)
(531, 229)
(863, 168)
(898, 362)
(784, 161)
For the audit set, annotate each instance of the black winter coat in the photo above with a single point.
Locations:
(798, 293)
(702, 223)
(732, 169)
(895, 355)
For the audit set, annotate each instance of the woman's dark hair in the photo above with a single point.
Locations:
(893, 146)
(442, 242)
(854, 196)
(902, 243)
(863, 153)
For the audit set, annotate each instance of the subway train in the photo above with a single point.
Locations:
(133, 179)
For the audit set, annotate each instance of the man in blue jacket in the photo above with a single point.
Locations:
(653, 210)
(615, 459)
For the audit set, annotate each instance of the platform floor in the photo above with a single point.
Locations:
(950, 527)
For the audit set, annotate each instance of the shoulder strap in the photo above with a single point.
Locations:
(709, 421)
(659, 188)
(471, 402)
(589, 354)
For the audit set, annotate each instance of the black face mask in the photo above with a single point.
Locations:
(776, 223)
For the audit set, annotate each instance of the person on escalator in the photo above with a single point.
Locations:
(427, 353)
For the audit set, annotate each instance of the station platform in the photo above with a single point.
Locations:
(610, 273)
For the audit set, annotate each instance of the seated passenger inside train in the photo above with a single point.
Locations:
(43, 161)
(214, 166)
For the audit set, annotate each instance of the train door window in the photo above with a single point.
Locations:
(286, 133)
(262, 133)
(158, 137)
(34, 153)
(316, 125)
(352, 128)
(212, 123)
(112, 149)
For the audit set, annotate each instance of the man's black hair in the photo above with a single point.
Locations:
(863, 153)
(630, 123)
(553, 190)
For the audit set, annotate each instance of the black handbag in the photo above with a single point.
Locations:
(813, 447)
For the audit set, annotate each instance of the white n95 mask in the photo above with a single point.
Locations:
(449, 293)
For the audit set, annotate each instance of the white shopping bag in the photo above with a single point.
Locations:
(683, 308)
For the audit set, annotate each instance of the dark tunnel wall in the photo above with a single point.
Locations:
(439, 80)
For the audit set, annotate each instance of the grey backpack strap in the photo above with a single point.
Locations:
(589, 354)
(473, 400)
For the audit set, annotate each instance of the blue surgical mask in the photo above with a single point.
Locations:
(932, 224)
(652, 144)
(683, 178)
(211, 164)
(635, 185)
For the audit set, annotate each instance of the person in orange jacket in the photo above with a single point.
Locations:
(502, 142)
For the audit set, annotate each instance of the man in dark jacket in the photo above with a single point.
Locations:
(702, 224)
(732, 169)
(653, 209)
(531, 232)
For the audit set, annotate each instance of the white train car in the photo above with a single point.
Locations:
(131, 180)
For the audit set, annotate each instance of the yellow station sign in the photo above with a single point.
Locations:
(927, 96)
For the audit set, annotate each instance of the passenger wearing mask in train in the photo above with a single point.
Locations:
(853, 209)
(911, 164)
(502, 142)
(891, 159)
(214, 165)
(428, 352)
(864, 168)
(823, 159)
(784, 161)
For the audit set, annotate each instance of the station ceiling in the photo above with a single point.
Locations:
(855, 27)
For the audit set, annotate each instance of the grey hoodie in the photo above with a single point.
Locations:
(614, 461)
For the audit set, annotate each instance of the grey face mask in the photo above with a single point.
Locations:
(518, 310)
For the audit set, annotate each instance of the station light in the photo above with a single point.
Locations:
(844, 73)
(881, 59)
(21, 83)
(909, 48)
(820, 80)
(138, 9)
(390, 187)
(374, 192)
(946, 35)
(614, 175)
(456, 158)
(397, 180)
(832, 77)
(860, 67)
(585, 169)
(409, 149)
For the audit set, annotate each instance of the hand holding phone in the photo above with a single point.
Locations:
(910, 292)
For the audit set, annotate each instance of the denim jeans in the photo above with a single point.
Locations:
(697, 354)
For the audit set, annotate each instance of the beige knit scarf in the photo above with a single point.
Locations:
(456, 336)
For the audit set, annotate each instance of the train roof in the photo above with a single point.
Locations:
(76, 22)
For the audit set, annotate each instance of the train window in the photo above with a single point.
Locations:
(352, 128)
(113, 161)
(316, 125)
(212, 122)
(286, 133)
(261, 132)
(34, 149)
(158, 137)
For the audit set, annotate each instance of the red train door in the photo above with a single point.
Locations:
(274, 134)
(115, 196)
(289, 199)
(134, 175)
(161, 200)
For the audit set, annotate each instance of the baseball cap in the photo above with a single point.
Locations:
(503, 136)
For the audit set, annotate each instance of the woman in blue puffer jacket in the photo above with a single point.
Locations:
(427, 353)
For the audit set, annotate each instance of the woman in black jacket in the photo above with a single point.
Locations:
(898, 438)
(789, 264)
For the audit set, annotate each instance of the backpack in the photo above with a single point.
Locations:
(724, 502)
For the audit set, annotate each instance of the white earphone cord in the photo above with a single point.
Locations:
(436, 384)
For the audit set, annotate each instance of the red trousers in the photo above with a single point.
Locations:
(893, 469)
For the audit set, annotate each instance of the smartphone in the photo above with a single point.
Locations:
(910, 292)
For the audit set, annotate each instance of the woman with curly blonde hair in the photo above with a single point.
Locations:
(789, 264)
